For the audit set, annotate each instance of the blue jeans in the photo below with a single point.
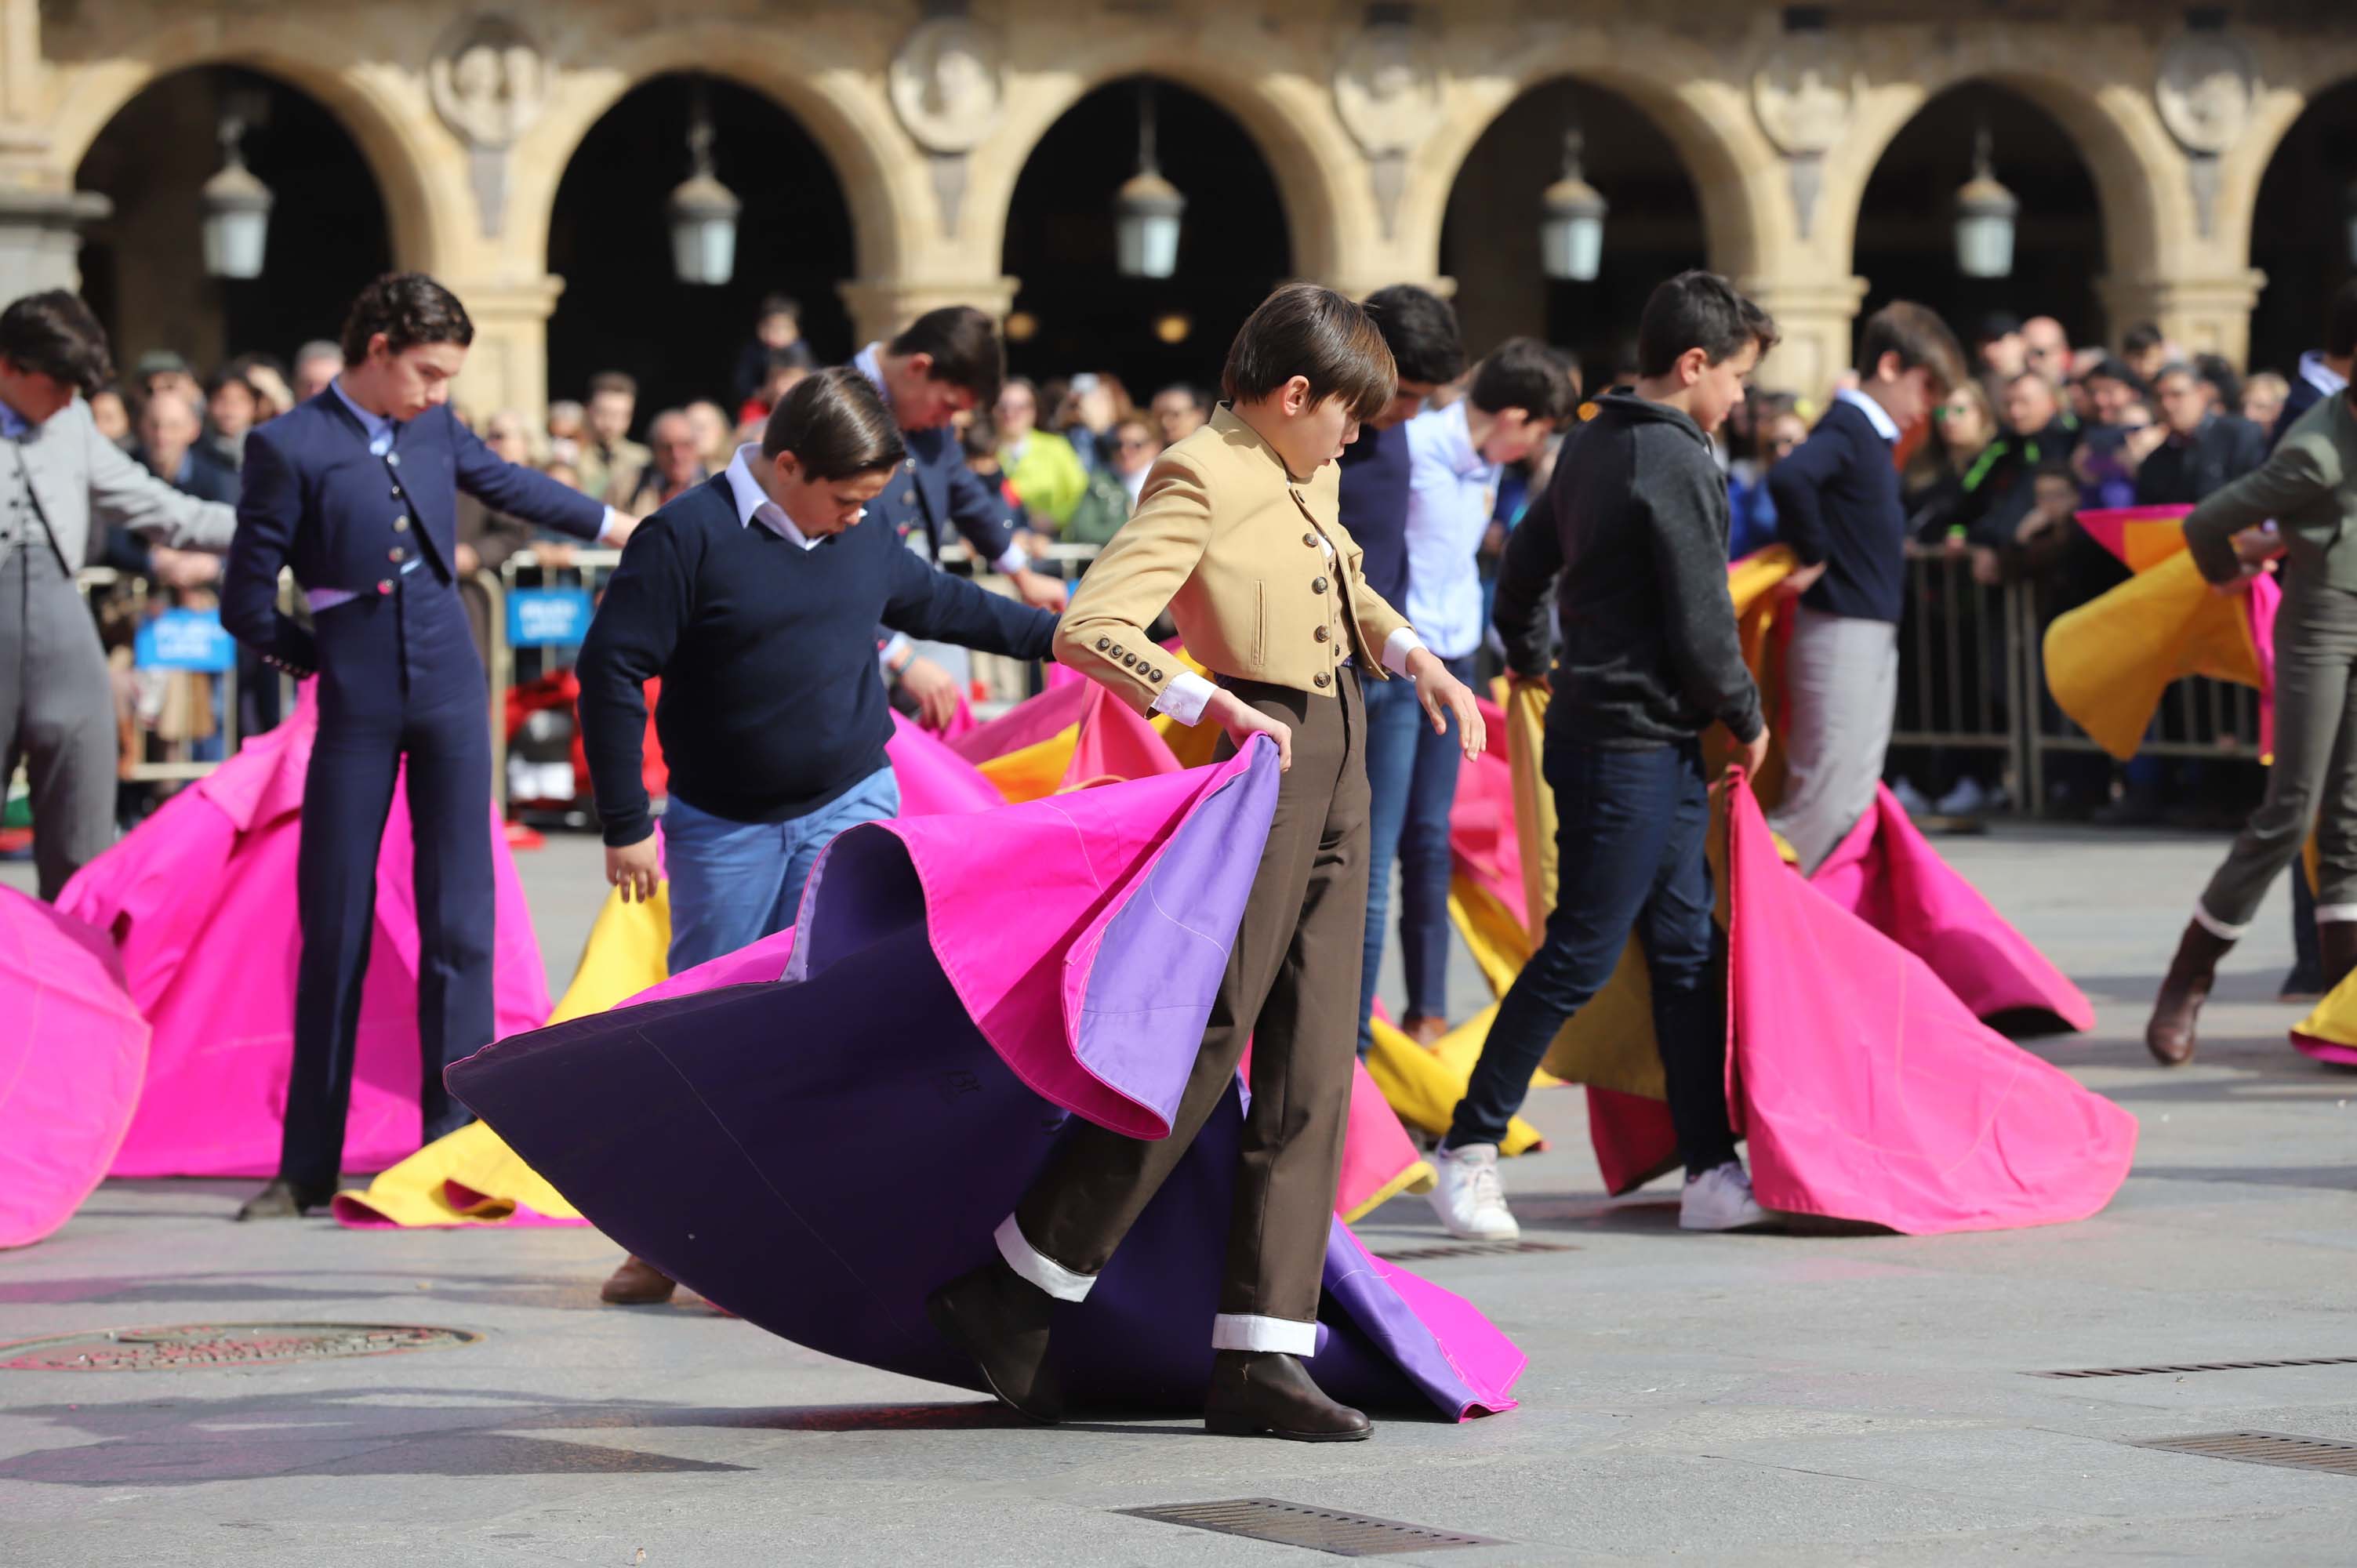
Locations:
(734, 882)
(1631, 826)
(1425, 863)
(1392, 719)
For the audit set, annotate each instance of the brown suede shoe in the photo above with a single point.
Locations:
(281, 1200)
(1000, 1320)
(1257, 1393)
(2169, 1034)
(636, 1283)
(1424, 1030)
(2336, 943)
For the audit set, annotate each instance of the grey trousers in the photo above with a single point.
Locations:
(57, 711)
(2314, 779)
(1841, 679)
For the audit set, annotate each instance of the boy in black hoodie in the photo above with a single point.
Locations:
(1635, 524)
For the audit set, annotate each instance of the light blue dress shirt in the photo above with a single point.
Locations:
(1451, 489)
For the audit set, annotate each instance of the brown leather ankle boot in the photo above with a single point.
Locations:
(1264, 1391)
(636, 1283)
(999, 1320)
(2169, 1034)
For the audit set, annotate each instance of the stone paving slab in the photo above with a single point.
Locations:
(1821, 1399)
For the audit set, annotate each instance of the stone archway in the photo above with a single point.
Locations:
(141, 266)
(1072, 310)
(2299, 228)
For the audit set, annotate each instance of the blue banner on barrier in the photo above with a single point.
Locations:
(185, 640)
(547, 617)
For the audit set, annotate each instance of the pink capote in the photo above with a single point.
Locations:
(1888, 876)
(200, 901)
(934, 780)
(72, 1048)
(1868, 1092)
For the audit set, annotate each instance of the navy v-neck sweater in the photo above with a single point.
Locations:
(771, 704)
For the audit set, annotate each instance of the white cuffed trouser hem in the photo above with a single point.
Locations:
(1243, 1331)
(2220, 928)
(1037, 1266)
(2335, 913)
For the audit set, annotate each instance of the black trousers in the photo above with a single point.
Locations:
(399, 682)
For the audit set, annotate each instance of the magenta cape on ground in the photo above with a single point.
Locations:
(970, 984)
(200, 901)
(1870, 1092)
(73, 1047)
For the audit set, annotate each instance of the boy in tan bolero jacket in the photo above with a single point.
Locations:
(1235, 534)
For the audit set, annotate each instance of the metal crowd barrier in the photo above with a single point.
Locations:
(181, 656)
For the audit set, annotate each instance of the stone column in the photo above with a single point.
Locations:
(2204, 314)
(880, 307)
(41, 215)
(1815, 316)
(508, 366)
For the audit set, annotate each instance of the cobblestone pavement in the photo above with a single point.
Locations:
(1768, 1398)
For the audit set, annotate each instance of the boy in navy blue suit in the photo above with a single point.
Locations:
(1838, 505)
(357, 490)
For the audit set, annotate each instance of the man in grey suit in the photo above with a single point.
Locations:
(2301, 505)
(58, 475)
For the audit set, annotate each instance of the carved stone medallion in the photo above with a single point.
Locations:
(1386, 91)
(2204, 90)
(1803, 91)
(947, 84)
(486, 81)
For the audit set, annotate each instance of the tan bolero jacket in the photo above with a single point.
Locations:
(1229, 542)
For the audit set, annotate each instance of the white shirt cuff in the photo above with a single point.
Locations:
(1185, 698)
(890, 654)
(1014, 561)
(1397, 647)
(614, 518)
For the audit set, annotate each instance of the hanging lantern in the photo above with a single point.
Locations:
(1986, 212)
(1571, 221)
(236, 208)
(703, 213)
(1148, 208)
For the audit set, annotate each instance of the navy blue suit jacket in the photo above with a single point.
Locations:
(934, 491)
(317, 499)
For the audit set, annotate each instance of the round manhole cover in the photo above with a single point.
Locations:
(192, 1344)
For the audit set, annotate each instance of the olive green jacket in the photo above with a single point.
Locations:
(2309, 486)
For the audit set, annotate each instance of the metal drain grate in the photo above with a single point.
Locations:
(2267, 1448)
(1320, 1529)
(2203, 1366)
(1472, 1250)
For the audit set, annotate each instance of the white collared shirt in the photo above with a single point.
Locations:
(753, 502)
(1452, 491)
(1876, 415)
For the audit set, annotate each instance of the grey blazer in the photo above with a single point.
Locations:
(2309, 486)
(76, 475)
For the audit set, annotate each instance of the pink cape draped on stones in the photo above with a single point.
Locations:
(72, 1048)
(1070, 948)
(200, 901)
(1868, 1092)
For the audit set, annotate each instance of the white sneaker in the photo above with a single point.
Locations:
(1968, 799)
(1720, 1200)
(1468, 1199)
(1910, 799)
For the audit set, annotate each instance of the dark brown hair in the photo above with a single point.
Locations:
(835, 424)
(1306, 330)
(621, 382)
(1921, 339)
(409, 309)
(965, 348)
(1524, 373)
(1702, 310)
(54, 335)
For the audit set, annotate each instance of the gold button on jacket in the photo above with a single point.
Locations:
(1217, 540)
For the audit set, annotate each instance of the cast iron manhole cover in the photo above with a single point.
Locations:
(2267, 1448)
(1472, 1250)
(1320, 1529)
(2201, 1367)
(189, 1345)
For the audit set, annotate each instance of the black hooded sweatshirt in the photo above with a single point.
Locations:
(1635, 524)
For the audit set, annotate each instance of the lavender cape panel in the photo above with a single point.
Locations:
(730, 1135)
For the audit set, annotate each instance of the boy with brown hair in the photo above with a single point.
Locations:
(1838, 505)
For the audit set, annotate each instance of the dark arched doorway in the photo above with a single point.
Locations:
(142, 268)
(624, 308)
(1075, 312)
(2300, 232)
(1906, 225)
(1490, 239)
